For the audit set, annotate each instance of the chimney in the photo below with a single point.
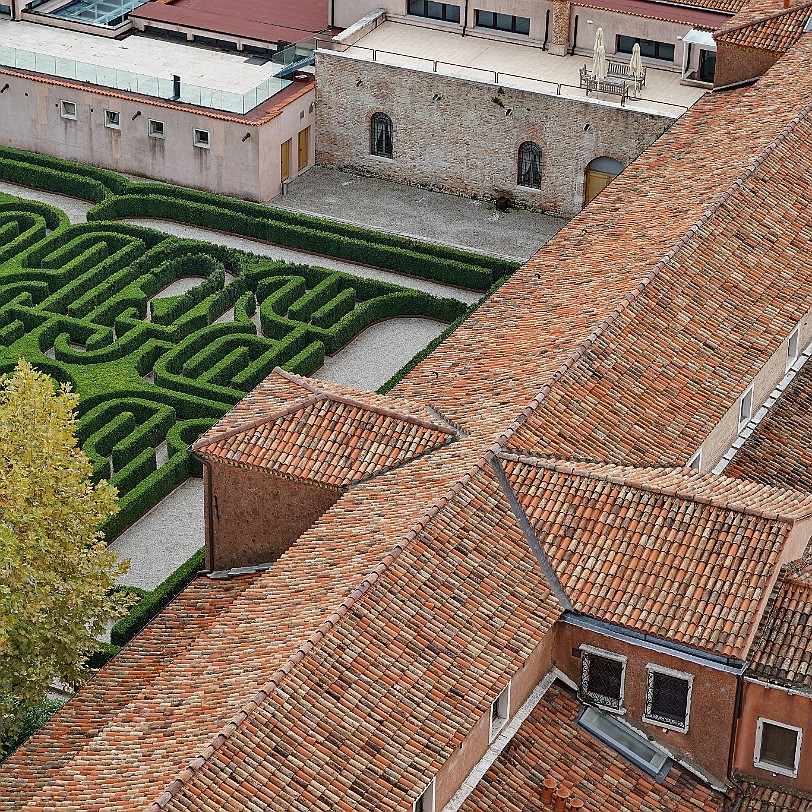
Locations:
(561, 798)
(576, 805)
(547, 790)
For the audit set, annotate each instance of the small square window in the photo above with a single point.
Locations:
(746, 406)
(668, 697)
(67, 109)
(425, 803)
(602, 678)
(792, 348)
(202, 139)
(778, 747)
(500, 711)
(156, 128)
(112, 119)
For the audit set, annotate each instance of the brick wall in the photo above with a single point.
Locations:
(467, 140)
(252, 517)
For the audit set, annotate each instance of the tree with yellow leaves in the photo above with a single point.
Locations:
(55, 569)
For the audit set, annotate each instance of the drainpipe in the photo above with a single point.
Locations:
(332, 13)
(574, 35)
(465, 18)
(546, 30)
(737, 712)
(209, 514)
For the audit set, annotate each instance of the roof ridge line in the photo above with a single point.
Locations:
(768, 16)
(565, 467)
(314, 639)
(360, 404)
(257, 421)
(657, 269)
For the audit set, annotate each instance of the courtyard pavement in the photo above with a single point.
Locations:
(439, 218)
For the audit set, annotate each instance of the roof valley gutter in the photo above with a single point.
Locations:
(530, 535)
(719, 662)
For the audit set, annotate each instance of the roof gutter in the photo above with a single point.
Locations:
(730, 665)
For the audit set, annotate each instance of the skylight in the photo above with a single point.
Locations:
(625, 741)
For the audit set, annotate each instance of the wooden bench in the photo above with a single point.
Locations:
(592, 85)
(621, 70)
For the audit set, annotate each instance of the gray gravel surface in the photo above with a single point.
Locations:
(75, 209)
(395, 208)
(162, 539)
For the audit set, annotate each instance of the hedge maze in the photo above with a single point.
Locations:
(160, 336)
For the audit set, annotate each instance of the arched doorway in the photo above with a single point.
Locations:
(599, 172)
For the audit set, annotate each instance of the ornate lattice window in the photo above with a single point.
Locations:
(602, 678)
(529, 170)
(380, 135)
(668, 697)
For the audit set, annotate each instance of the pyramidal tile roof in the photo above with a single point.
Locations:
(782, 650)
(673, 553)
(550, 744)
(766, 25)
(327, 437)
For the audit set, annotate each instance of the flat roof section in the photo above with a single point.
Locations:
(264, 20)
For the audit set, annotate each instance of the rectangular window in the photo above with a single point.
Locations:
(778, 747)
(203, 139)
(156, 129)
(668, 697)
(435, 11)
(502, 22)
(304, 148)
(67, 109)
(746, 406)
(112, 119)
(500, 711)
(792, 348)
(425, 803)
(648, 48)
(602, 677)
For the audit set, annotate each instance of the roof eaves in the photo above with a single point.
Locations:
(313, 640)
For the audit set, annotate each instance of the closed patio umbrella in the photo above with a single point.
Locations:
(636, 66)
(600, 69)
(598, 38)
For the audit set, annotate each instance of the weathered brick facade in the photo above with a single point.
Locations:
(462, 136)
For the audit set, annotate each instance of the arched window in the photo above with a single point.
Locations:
(529, 170)
(380, 135)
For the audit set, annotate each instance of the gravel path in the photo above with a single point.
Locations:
(395, 208)
(75, 209)
(162, 539)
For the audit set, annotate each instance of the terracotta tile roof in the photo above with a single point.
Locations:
(687, 13)
(774, 30)
(550, 744)
(351, 668)
(676, 554)
(779, 451)
(635, 352)
(763, 797)
(298, 429)
(782, 650)
(729, 6)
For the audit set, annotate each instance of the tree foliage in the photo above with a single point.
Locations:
(55, 569)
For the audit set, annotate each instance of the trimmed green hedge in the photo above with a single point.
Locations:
(153, 602)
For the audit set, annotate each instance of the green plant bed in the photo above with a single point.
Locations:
(152, 374)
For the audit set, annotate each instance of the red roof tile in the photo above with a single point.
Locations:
(297, 429)
(762, 797)
(675, 554)
(782, 650)
(766, 25)
(550, 744)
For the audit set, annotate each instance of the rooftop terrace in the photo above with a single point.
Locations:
(513, 65)
(209, 78)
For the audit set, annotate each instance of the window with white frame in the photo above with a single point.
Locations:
(156, 128)
(112, 119)
(425, 803)
(746, 406)
(668, 697)
(67, 109)
(792, 347)
(602, 674)
(696, 461)
(203, 139)
(500, 711)
(778, 747)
